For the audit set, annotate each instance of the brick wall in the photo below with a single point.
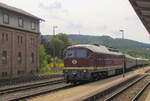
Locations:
(22, 52)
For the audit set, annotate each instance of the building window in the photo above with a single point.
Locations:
(4, 57)
(20, 22)
(4, 74)
(19, 58)
(3, 37)
(32, 57)
(6, 19)
(32, 41)
(18, 38)
(33, 25)
(21, 39)
(6, 37)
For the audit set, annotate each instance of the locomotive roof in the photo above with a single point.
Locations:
(94, 48)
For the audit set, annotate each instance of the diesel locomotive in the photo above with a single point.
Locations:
(85, 62)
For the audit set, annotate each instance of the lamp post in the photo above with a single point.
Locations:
(54, 27)
(124, 66)
(122, 31)
(124, 58)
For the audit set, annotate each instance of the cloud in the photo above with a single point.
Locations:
(51, 6)
(73, 25)
(54, 10)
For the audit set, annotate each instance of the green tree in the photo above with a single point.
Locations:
(43, 59)
(55, 47)
(63, 37)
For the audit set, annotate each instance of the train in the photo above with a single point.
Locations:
(86, 62)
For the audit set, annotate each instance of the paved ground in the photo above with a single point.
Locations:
(81, 92)
(148, 97)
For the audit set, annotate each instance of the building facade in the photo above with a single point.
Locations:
(19, 42)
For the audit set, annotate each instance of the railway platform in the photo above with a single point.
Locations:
(148, 97)
(82, 92)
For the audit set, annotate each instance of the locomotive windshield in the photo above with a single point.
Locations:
(70, 53)
(79, 53)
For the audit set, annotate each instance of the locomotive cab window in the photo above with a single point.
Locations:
(81, 53)
(70, 53)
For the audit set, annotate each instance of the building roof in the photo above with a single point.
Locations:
(94, 48)
(142, 8)
(17, 10)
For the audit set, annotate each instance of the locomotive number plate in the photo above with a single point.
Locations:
(74, 61)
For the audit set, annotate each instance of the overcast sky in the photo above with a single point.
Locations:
(86, 17)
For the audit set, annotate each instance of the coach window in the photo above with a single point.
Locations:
(6, 19)
(4, 57)
(81, 53)
(70, 53)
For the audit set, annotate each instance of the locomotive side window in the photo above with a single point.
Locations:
(81, 53)
(70, 53)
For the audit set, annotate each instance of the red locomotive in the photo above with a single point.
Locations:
(86, 62)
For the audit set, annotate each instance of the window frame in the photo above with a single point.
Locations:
(81, 51)
(22, 23)
(5, 22)
(4, 57)
(33, 25)
(32, 58)
(73, 53)
(19, 58)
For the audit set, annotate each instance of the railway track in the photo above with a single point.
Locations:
(21, 92)
(26, 79)
(25, 92)
(66, 86)
(30, 86)
(132, 91)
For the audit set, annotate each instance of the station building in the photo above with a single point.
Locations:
(19, 42)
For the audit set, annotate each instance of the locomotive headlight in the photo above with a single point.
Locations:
(84, 70)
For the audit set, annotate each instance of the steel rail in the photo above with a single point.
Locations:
(123, 89)
(30, 86)
(140, 92)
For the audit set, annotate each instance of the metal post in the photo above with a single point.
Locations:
(123, 69)
(54, 27)
(122, 31)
